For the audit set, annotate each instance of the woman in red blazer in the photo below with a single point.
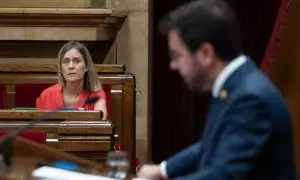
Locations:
(77, 81)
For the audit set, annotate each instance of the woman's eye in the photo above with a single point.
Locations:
(65, 61)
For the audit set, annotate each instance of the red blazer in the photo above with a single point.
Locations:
(52, 98)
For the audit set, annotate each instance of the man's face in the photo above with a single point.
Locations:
(191, 66)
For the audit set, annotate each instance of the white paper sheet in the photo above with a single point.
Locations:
(51, 173)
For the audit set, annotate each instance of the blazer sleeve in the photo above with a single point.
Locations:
(184, 162)
(246, 129)
(101, 94)
(40, 103)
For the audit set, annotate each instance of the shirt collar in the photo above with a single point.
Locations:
(226, 72)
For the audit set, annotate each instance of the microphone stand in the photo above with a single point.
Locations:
(6, 143)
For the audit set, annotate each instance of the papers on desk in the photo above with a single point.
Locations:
(51, 173)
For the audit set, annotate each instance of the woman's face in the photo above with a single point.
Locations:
(73, 66)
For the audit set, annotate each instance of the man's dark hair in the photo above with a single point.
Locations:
(206, 21)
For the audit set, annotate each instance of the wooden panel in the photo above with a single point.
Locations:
(117, 111)
(61, 16)
(43, 3)
(42, 152)
(87, 145)
(55, 11)
(37, 114)
(10, 91)
(51, 139)
(84, 138)
(25, 61)
(81, 143)
(85, 127)
(98, 157)
(45, 68)
(129, 116)
(58, 33)
(48, 126)
(62, 127)
(74, 136)
(41, 78)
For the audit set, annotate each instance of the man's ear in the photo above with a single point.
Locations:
(205, 54)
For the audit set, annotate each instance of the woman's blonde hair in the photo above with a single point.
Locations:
(90, 82)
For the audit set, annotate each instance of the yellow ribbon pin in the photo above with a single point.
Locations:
(223, 94)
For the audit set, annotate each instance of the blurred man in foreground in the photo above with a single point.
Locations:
(248, 134)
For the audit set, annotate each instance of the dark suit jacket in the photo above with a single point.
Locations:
(248, 135)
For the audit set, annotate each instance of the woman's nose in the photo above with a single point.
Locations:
(71, 65)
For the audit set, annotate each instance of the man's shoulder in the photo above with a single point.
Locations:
(259, 88)
(258, 85)
(248, 80)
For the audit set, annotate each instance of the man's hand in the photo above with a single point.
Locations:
(150, 172)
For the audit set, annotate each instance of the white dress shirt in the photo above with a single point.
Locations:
(218, 85)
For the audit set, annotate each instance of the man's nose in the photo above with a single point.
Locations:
(173, 66)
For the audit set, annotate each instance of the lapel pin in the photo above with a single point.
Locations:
(223, 94)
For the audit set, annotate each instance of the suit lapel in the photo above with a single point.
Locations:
(219, 103)
(231, 84)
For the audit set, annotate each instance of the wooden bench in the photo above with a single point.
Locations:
(22, 84)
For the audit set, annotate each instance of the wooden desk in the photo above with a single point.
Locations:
(24, 166)
(81, 133)
(35, 154)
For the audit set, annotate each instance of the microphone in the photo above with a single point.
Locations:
(91, 100)
(6, 142)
